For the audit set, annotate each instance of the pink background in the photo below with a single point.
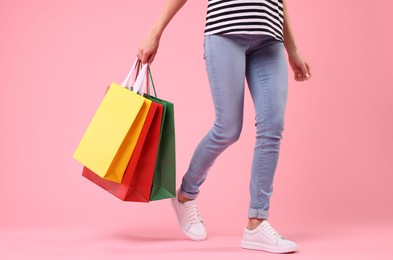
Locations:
(333, 188)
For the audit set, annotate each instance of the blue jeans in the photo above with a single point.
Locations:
(229, 60)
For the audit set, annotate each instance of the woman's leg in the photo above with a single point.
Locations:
(267, 79)
(225, 64)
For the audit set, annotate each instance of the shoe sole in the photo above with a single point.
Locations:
(194, 238)
(267, 248)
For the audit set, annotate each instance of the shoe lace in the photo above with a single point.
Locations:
(270, 231)
(192, 212)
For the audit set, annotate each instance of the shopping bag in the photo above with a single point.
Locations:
(111, 137)
(164, 181)
(140, 187)
(138, 177)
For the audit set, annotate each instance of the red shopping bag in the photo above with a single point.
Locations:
(138, 177)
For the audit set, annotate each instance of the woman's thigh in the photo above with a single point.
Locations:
(226, 64)
(267, 78)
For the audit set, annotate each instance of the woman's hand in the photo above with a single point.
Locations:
(300, 67)
(148, 48)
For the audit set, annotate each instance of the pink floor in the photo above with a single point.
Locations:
(360, 241)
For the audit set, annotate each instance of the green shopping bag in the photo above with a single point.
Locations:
(164, 180)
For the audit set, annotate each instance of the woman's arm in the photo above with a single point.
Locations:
(300, 67)
(148, 48)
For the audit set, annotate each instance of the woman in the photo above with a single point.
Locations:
(243, 39)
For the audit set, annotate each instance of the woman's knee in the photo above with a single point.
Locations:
(271, 132)
(226, 135)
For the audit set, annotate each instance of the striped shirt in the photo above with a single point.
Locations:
(245, 17)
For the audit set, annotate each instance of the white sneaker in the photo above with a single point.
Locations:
(189, 219)
(265, 238)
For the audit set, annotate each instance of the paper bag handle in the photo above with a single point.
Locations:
(140, 79)
(130, 73)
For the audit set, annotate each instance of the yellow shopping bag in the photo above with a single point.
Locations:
(110, 139)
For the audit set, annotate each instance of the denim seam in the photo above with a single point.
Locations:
(264, 120)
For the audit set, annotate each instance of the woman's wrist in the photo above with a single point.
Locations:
(291, 49)
(156, 32)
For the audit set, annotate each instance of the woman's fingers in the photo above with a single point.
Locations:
(151, 58)
(308, 69)
(300, 67)
(148, 49)
(304, 69)
(145, 56)
(302, 72)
